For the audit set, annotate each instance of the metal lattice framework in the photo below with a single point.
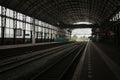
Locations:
(65, 11)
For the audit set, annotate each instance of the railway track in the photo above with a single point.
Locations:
(15, 61)
(33, 66)
(58, 70)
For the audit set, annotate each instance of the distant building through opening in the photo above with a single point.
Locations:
(81, 34)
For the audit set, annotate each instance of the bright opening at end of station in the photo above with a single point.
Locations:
(88, 23)
(81, 34)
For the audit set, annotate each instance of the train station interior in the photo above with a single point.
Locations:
(59, 39)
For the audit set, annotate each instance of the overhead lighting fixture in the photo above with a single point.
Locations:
(88, 23)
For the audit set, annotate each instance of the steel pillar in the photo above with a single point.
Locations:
(3, 24)
(24, 27)
(14, 26)
(33, 30)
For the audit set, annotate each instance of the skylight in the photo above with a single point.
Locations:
(88, 23)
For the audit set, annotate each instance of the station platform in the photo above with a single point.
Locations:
(99, 62)
(25, 45)
(17, 50)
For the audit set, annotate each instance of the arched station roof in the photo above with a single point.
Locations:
(65, 11)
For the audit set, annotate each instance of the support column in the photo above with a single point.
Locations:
(24, 27)
(42, 34)
(15, 26)
(33, 35)
(37, 35)
(69, 35)
(48, 34)
(56, 34)
(31, 28)
(3, 24)
(51, 35)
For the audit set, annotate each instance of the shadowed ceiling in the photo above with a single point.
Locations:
(65, 11)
